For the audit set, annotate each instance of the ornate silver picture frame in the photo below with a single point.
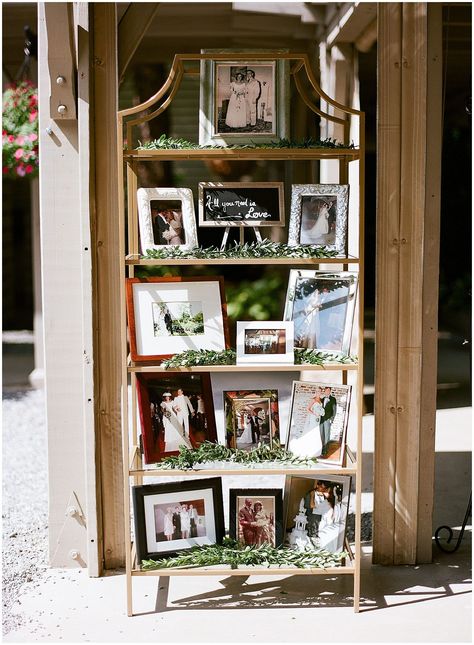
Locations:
(319, 216)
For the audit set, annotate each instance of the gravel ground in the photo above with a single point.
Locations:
(25, 498)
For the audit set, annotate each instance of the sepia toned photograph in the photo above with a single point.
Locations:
(319, 414)
(178, 318)
(321, 305)
(316, 512)
(252, 418)
(256, 516)
(177, 516)
(176, 409)
(265, 341)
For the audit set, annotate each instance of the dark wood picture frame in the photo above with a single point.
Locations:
(132, 319)
(255, 494)
(214, 487)
(153, 430)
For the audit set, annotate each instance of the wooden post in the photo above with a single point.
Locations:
(409, 160)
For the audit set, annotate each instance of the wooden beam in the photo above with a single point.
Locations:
(131, 29)
(61, 60)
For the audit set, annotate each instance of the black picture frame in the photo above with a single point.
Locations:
(208, 491)
(256, 494)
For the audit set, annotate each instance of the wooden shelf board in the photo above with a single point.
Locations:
(329, 367)
(243, 153)
(247, 571)
(136, 261)
(246, 470)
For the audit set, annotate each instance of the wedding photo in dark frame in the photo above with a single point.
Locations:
(256, 516)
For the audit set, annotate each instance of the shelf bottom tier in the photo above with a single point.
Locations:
(247, 571)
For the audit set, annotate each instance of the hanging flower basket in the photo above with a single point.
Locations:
(20, 130)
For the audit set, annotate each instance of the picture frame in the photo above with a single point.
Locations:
(168, 315)
(166, 218)
(309, 530)
(256, 516)
(317, 422)
(175, 409)
(319, 215)
(251, 417)
(199, 519)
(321, 304)
(241, 204)
(247, 110)
(269, 341)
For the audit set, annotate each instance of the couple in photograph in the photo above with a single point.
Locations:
(245, 92)
(324, 512)
(252, 425)
(307, 313)
(180, 522)
(256, 526)
(315, 438)
(174, 413)
(167, 226)
(316, 215)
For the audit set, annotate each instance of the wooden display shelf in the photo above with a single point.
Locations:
(136, 260)
(349, 154)
(218, 570)
(328, 367)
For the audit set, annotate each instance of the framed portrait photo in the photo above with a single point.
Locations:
(166, 218)
(176, 409)
(318, 418)
(316, 512)
(256, 516)
(177, 516)
(319, 216)
(173, 314)
(321, 305)
(265, 342)
(241, 204)
(251, 418)
(243, 99)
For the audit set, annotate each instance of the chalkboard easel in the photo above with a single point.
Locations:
(241, 235)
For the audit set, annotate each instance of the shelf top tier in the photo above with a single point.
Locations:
(137, 260)
(350, 154)
(135, 367)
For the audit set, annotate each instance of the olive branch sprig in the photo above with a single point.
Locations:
(169, 143)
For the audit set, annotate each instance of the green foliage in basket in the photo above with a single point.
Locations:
(169, 143)
(212, 452)
(229, 553)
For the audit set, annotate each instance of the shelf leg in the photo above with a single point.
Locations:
(129, 595)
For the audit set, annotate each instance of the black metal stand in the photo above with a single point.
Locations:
(451, 533)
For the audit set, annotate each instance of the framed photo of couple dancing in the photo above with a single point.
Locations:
(243, 99)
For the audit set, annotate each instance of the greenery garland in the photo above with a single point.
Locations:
(188, 458)
(20, 130)
(195, 358)
(264, 249)
(169, 143)
(229, 553)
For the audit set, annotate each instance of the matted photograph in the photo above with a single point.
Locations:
(321, 305)
(173, 314)
(241, 204)
(265, 342)
(243, 99)
(166, 218)
(316, 512)
(319, 214)
(317, 426)
(177, 516)
(251, 418)
(176, 409)
(256, 516)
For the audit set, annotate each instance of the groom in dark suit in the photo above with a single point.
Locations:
(325, 422)
(255, 427)
(160, 225)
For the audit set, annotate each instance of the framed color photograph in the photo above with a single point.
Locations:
(241, 204)
(243, 100)
(319, 216)
(166, 218)
(321, 305)
(251, 417)
(256, 516)
(170, 315)
(316, 512)
(176, 409)
(176, 516)
(318, 418)
(265, 342)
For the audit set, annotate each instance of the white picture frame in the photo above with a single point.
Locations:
(263, 342)
(156, 233)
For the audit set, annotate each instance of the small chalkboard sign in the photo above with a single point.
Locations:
(241, 204)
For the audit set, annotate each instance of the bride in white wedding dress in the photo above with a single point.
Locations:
(306, 441)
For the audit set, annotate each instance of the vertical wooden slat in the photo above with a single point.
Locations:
(108, 278)
(386, 314)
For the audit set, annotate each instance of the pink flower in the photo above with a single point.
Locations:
(20, 171)
(33, 116)
(28, 169)
(19, 153)
(11, 138)
(20, 140)
(33, 136)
